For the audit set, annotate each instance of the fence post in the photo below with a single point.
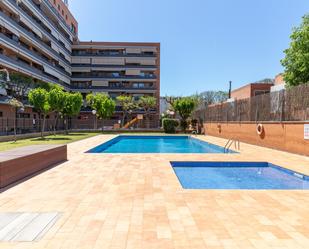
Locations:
(283, 106)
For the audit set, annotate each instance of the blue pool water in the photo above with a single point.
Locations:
(157, 144)
(237, 175)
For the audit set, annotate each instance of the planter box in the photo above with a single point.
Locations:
(22, 162)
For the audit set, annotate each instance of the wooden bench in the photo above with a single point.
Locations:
(22, 162)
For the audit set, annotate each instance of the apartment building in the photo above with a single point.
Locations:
(117, 68)
(39, 38)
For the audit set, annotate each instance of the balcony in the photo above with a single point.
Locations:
(56, 13)
(113, 89)
(39, 26)
(111, 77)
(28, 70)
(33, 39)
(109, 54)
(14, 45)
(123, 67)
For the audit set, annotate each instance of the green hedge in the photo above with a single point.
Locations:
(170, 125)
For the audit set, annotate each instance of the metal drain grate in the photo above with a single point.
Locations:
(26, 226)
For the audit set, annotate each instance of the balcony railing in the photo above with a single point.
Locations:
(52, 8)
(113, 88)
(21, 66)
(108, 54)
(25, 51)
(113, 77)
(115, 66)
(33, 38)
(39, 26)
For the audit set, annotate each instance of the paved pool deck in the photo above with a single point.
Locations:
(135, 201)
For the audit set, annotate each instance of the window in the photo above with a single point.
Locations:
(260, 92)
(62, 12)
(66, 17)
(1, 114)
(23, 115)
(58, 7)
(54, 2)
(138, 85)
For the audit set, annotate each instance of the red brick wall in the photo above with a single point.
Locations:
(283, 136)
(65, 13)
(279, 79)
(8, 112)
(247, 91)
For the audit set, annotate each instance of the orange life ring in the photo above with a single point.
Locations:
(259, 129)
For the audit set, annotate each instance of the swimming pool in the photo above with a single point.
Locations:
(157, 144)
(237, 175)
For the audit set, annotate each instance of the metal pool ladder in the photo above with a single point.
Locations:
(229, 143)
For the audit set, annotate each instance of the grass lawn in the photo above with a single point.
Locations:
(58, 139)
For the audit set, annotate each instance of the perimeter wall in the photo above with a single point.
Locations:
(286, 136)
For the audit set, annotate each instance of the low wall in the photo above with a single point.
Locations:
(287, 136)
(19, 163)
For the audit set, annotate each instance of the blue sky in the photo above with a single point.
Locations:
(204, 43)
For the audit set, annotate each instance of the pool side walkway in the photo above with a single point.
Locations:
(135, 201)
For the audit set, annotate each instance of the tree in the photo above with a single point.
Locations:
(185, 107)
(102, 104)
(56, 100)
(127, 104)
(19, 85)
(296, 61)
(72, 104)
(147, 104)
(212, 97)
(39, 99)
(15, 105)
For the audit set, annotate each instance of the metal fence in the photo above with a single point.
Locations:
(285, 105)
(28, 125)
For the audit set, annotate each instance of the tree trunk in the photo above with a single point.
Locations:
(43, 126)
(55, 124)
(123, 118)
(66, 125)
(15, 124)
(102, 125)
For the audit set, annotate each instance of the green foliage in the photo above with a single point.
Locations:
(56, 98)
(72, 104)
(39, 99)
(47, 86)
(170, 125)
(212, 97)
(127, 104)
(147, 103)
(185, 107)
(296, 61)
(19, 85)
(102, 104)
(15, 103)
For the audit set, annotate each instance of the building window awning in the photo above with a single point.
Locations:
(31, 26)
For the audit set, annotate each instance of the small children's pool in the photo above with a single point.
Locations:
(237, 175)
(157, 144)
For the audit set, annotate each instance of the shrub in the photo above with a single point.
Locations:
(170, 125)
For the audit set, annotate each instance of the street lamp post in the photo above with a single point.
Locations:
(94, 112)
(7, 74)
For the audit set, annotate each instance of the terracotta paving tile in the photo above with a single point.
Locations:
(135, 201)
